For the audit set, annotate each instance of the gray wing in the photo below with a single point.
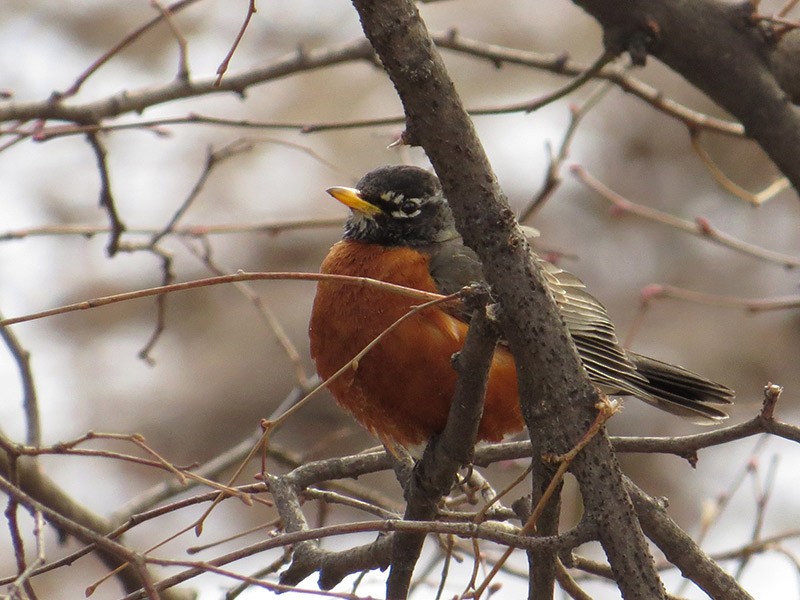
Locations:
(616, 371)
(593, 333)
(454, 265)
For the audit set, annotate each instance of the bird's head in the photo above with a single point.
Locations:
(397, 205)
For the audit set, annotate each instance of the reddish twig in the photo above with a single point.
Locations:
(223, 67)
(199, 283)
(700, 227)
(755, 305)
(183, 54)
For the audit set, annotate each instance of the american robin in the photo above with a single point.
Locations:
(401, 230)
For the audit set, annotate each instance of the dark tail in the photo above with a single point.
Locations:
(679, 391)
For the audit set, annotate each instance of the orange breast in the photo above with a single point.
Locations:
(402, 389)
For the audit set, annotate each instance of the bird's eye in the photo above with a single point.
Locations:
(409, 207)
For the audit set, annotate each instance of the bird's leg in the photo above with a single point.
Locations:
(402, 462)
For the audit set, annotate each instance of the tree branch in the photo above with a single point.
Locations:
(694, 39)
(682, 551)
(557, 397)
(434, 475)
(136, 101)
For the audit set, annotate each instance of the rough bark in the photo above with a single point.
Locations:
(725, 52)
(557, 396)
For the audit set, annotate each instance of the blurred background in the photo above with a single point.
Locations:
(217, 369)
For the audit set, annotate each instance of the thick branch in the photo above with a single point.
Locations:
(557, 397)
(717, 48)
(132, 571)
(682, 551)
(434, 475)
(136, 101)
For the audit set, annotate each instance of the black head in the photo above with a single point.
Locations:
(397, 206)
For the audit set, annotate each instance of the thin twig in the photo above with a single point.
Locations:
(213, 158)
(87, 231)
(223, 67)
(264, 311)
(489, 532)
(558, 64)
(106, 197)
(30, 402)
(700, 227)
(124, 42)
(762, 497)
(23, 579)
(86, 535)
(167, 277)
(137, 100)
(553, 176)
(568, 584)
(529, 106)
(757, 198)
(200, 283)
(605, 410)
(756, 305)
(786, 8)
(183, 52)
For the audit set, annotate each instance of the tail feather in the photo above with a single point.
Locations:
(680, 391)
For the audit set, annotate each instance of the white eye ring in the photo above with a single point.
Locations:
(407, 208)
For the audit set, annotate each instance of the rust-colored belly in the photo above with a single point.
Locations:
(402, 388)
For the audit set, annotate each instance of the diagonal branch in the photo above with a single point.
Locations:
(682, 551)
(557, 397)
(82, 525)
(434, 475)
(106, 197)
(692, 38)
(137, 101)
(700, 227)
(30, 400)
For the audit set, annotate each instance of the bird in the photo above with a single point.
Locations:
(401, 230)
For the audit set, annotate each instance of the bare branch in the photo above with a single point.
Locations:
(137, 101)
(223, 67)
(691, 39)
(682, 551)
(553, 177)
(267, 315)
(183, 51)
(659, 291)
(199, 283)
(106, 197)
(756, 198)
(562, 65)
(114, 553)
(270, 228)
(119, 46)
(30, 402)
(700, 227)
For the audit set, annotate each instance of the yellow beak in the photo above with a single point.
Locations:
(351, 198)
